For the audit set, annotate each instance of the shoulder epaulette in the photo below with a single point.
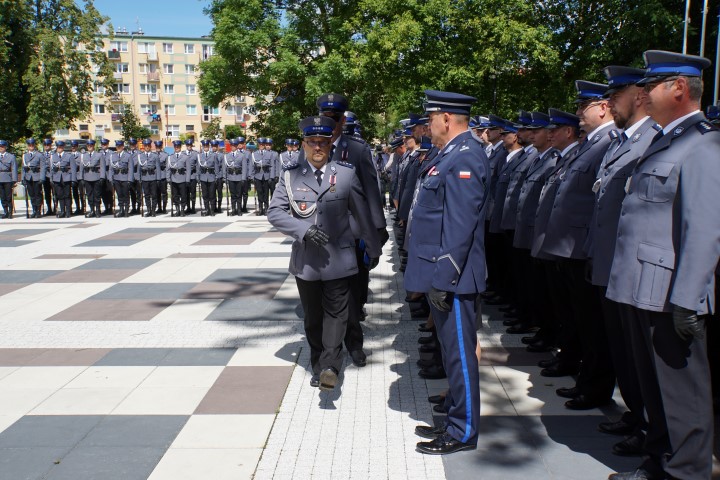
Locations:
(657, 127)
(705, 126)
(290, 167)
(555, 153)
(344, 164)
(614, 134)
(355, 139)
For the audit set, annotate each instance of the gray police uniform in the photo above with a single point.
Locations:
(107, 191)
(191, 162)
(262, 166)
(33, 176)
(62, 174)
(667, 254)
(322, 272)
(92, 173)
(147, 172)
(287, 159)
(162, 182)
(275, 171)
(209, 170)
(8, 177)
(122, 174)
(133, 183)
(235, 172)
(178, 174)
(78, 188)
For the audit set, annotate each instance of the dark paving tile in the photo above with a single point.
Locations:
(113, 310)
(135, 431)
(147, 291)
(63, 256)
(68, 357)
(25, 232)
(10, 238)
(133, 357)
(248, 275)
(83, 225)
(91, 276)
(110, 243)
(48, 430)
(246, 390)
(140, 230)
(181, 357)
(25, 276)
(6, 288)
(19, 357)
(29, 463)
(250, 309)
(203, 255)
(20, 243)
(118, 264)
(225, 241)
(108, 463)
(214, 290)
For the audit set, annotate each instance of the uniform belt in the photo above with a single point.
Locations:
(32, 169)
(235, 171)
(265, 169)
(181, 171)
(92, 169)
(63, 169)
(123, 171)
(193, 171)
(206, 170)
(148, 172)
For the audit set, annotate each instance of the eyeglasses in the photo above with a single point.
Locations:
(318, 143)
(586, 106)
(648, 87)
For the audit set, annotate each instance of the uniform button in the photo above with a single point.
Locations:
(453, 282)
(607, 173)
(319, 224)
(319, 211)
(434, 259)
(654, 170)
(661, 260)
(602, 191)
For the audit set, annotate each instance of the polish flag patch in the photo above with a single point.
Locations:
(464, 174)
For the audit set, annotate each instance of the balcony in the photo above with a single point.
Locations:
(116, 117)
(117, 75)
(153, 76)
(207, 118)
(240, 99)
(114, 55)
(154, 97)
(116, 97)
(152, 56)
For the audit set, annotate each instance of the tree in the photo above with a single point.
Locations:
(49, 49)
(131, 127)
(233, 131)
(213, 130)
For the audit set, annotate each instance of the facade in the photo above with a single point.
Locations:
(158, 76)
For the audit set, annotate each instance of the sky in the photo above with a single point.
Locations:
(172, 18)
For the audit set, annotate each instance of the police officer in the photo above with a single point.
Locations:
(122, 175)
(134, 187)
(162, 177)
(208, 172)
(663, 270)
(321, 230)
(234, 171)
(47, 185)
(108, 197)
(290, 155)
(246, 185)
(78, 189)
(178, 175)
(147, 172)
(262, 170)
(217, 194)
(91, 171)
(62, 171)
(191, 161)
(275, 162)
(8, 178)
(33, 176)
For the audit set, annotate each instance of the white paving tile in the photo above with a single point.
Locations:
(82, 401)
(41, 377)
(268, 356)
(225, 431)
(218, 464)
(161, 401)
(111, 377)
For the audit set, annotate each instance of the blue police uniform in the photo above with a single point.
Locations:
(446, 253)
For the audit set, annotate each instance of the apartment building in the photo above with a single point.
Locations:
(158, 76)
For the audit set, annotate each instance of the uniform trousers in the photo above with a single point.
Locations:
(162, 192)
(236, 191)
(134, 190)
(456, 331)
(674, 378)
(48, 189)
(150, 191)
(34, 191)
(559, 294)
(325, 307)
(179, 194)
(621, 355)
(192, 193)
(94, 190)
(262, 192)
(78, 192)
(122, 190)
(6, 196)
(208, 194)
(358, 297)
(107, 196)
(217, 203)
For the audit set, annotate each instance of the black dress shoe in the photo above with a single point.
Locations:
(581, 402)
(565, 392)
(429, 348)
(443, 445)
(559, 370)
(359, 358)
(436, 399)
(521, 329)
(548, 363)
(530, 340)
(328, 378)
(427, 431)
(540, 347)
(424, 329)
(639, 474)
(496, 301)
(511, 322)
(425, 363)
(616, 428)
(488, 294)
(426, 340)
(315, 381)
(511, 314)
(632, 446)
(410, 299)
(436, 372)
(420, 313)
(439, 408)
(507, 308)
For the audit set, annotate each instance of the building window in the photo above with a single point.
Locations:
(121, 68)
(167, 48)
(190, 89)
(155, 129)
(169, 88)
(168, 68)
(189, 48)
(148, 88)
(84, 127)
(119, 109)
(100, 88)
(119, 46)
(146, 47)
(148, 109)
(99, 108)
(192, 109)
(189, 69)
(189, 128)
(230, 110)
(173, 131)
(117, 127)
(207, 51)
(143, 67)
(121, 87)
(169, 109)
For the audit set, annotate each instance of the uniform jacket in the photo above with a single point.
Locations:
(178, 170)
(163, 162)
(105, 154)
(668, 237)
(609, 193)
(8, 168)
(122, 167)
(497, 160)
(62, 167)
(209, 166)
(236, 168)
(503, 182)
(517, 178)
(191, 162)
(574, 201)
(407, 186)
(33, 166)
(276, 168)
(261, 165)
(147, 168)
(530, 196)
(446, 248)
(287, 159)
(91, 166)
(327, 206)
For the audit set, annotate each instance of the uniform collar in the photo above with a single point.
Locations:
(671, 126)
(568, 149)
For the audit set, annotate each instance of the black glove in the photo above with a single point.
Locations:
(74, 184)
(687, 324)
(374, 261)
(384, 236)
(440, 299)
(317, 236)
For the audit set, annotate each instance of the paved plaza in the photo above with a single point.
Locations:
(172, 348)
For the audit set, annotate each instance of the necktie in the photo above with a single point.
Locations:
(177, 155)
(318, 176)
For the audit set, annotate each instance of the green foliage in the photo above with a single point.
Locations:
(382, 54)
(48, 49)
(131, 127)
(233, 131)
(213, 129)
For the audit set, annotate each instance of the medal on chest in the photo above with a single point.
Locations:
(333, 181)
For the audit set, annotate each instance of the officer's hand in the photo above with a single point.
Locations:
(74, 184)
(374, 261)
(317, 236)
(384, 236)
(687, 324)
(440, 299)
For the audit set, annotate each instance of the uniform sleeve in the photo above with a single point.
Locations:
(698, 250)
(43, 167)
(365, 170)
(280, 216)
(462, 213)
(358, 205)
(14, 169)
(73, 169)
